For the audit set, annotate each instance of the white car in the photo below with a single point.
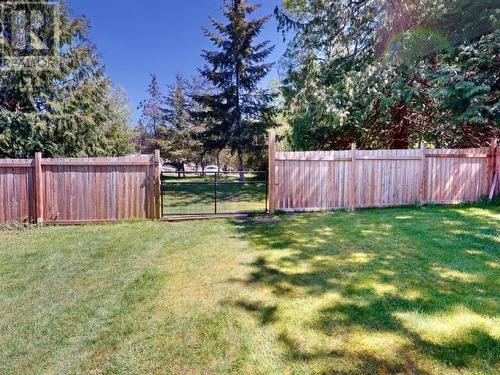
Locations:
(168, 168)
(211, 169)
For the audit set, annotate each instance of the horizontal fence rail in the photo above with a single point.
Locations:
(67, 191)
(333, 180)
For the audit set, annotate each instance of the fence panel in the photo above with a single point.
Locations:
(79, 190)
(312, 180)
(319, 180)
(16, 190)
(97, 189)
(456, 176)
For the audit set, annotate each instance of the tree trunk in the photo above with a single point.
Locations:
(241, 169)
(238, 129)
(181, 171)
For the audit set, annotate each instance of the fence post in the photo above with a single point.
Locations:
(38, 176)
(352, 180)
(423, 175)
(492, 167)
(272, 171)
(492, 160)
(157, 184)
(497, 164)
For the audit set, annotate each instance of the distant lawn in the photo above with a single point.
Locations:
(194, 194)
(410, 291)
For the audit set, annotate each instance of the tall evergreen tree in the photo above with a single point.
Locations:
(166, 123)
(238, 112)
(179, 141)
(117, 129)
(62, 110)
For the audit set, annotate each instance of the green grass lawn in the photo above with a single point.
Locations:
(409, 291)
(194, 194)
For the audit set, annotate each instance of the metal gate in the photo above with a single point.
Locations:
(213, 193)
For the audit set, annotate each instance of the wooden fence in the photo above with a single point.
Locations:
(331, 180)
(66, 191)
(70, 191)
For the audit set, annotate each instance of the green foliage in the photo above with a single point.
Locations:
(237, 113)
(180, 138)
(166, 123)
(118, 133)
(66, 110)
(391, 73)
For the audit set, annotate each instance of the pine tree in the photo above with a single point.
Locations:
(237, 113)
(166, 123)
(179, 142)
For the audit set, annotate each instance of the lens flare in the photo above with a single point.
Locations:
(414, 44)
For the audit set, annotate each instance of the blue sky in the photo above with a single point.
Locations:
(137, 38)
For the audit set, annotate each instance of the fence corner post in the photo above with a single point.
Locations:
(157, 184)
(38, 176)
(352, 180)
(492, 172)
(492, 159)
(423, 175)
(272, 172)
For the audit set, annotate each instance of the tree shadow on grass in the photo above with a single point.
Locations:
(395, 271)
(349, 363)
(265, 314)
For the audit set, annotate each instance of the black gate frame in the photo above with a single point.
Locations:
(216, 183)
